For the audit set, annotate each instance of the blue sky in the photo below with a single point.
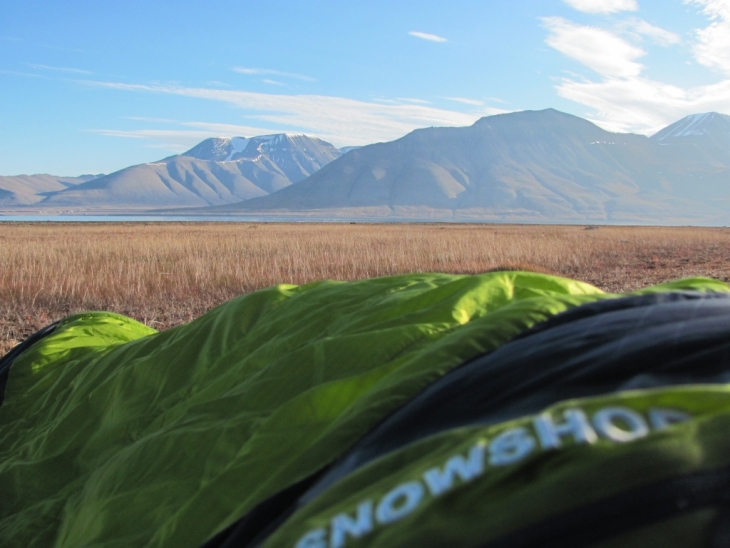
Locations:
(91, 87)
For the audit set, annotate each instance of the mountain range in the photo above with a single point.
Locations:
(533, 166)
(216, 171)
(530, 166)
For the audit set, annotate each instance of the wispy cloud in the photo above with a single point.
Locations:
(181, 139)
(491, 111)
(338, 120)
(464, 100)
(217, 84)
(638, 28)
(598, 49)
(272, 82)
(60, 69)
(623, 98)
(154, 120)
(414, 101)
(644, 105)
(603, 6)
(23, 74)
(427, 36)
(230, 130)
(153, 133)
(272, 72)
(712, 48)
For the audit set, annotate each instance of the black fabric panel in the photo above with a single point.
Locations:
(7, 360)
(627, 511)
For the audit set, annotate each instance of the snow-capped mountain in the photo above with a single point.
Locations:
(707, 124)
(297, 156)
(697, 139)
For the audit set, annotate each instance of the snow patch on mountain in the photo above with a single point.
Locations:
(696, 125)
(237, 144)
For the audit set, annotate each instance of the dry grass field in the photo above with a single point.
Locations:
(166, 274)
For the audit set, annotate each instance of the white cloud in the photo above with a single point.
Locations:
(338, 120)
(150, 133)
(272, 72)
(466, 101)
(415, 101)
(623, 99)
(637, 28)
(603, 6)
(216, 84)
(272, 82)
(230, 130)
(491, 111)
(643, 105)
(182, 139)
(712, 48)
(713, 8)
(60, 69)
(427, 36)
(171, 141)
(155, 120)
(598, 49)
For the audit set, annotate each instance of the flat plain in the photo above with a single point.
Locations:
(164, 274)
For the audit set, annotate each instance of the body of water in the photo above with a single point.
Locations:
(195, 219)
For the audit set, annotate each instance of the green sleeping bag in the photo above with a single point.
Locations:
(112, 434)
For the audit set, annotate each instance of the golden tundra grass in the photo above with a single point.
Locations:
(166, 274)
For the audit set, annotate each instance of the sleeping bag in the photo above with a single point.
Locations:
(504, 409)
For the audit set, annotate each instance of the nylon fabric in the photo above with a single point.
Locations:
(113, 435)
(599, 348)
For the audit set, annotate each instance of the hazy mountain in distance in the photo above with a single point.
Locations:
(695, 153)
(706, 129)
(537, 166)
(345, 150)
(23, 190)
(216, 171)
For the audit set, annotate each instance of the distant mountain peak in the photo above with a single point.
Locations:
(223, 149)
(708, 123)
(549, 118)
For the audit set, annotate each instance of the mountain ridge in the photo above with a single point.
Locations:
(527, 166)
